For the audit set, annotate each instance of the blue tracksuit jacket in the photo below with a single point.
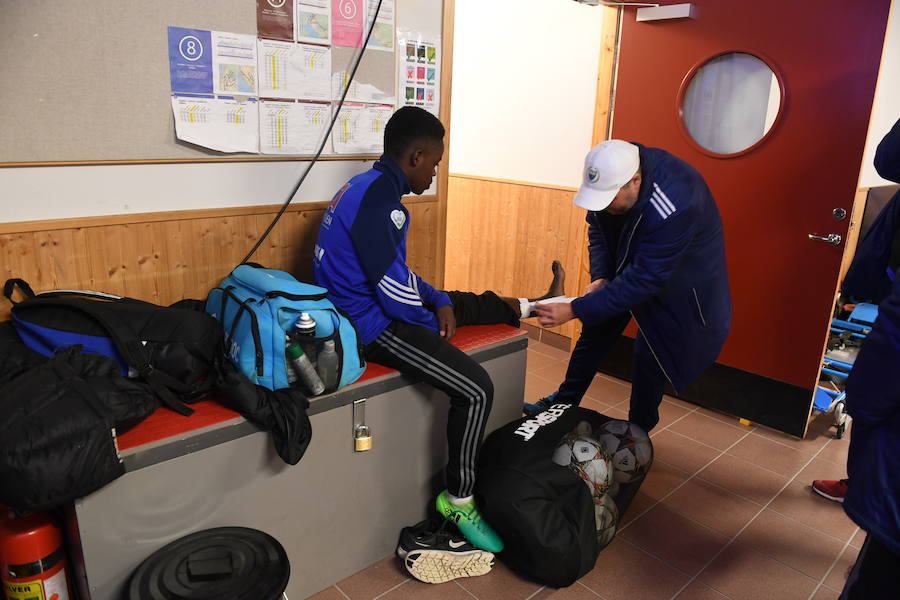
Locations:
(360, 256)
(873, 387)
(870, 276)
(667, 267)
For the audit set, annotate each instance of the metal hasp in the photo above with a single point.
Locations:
(362, 436)
(670, 11)
(832, 238)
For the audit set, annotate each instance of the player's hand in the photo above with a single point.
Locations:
(555, 314)
(446, 321)
(594, 286)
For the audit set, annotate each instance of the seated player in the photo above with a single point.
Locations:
(403, 321)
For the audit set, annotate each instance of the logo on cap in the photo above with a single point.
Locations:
(593, 175)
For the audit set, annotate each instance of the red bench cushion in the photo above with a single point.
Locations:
(165, 423)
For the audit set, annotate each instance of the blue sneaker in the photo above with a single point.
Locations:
(532, 408)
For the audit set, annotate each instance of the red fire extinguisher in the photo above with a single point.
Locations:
(33, 563)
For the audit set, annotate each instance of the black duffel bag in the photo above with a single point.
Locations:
(57, 422)
(173, 349)
(554, 508)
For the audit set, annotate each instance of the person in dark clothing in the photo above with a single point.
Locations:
(873, 462)
(657, 254)
(405, 323)
(875, 265)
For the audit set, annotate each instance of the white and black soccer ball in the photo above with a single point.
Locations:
(606, 515)
(586, 458)
(629, 447)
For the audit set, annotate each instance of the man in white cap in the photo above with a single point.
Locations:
(656, 254)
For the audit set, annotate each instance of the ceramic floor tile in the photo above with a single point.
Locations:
(771, 455)
(699, 591)
(670, 412)
(796, 545)
(811, 444)
(835, 451)
(609, 391)
(662, 479)
(680, 542)
(640, 503)
(838, 574)
(706, 430)
(858, 539)
(417, 590)
(744, 478)
(500, 584)
(727, 419)
(682, 403)
(576, 591)
(621, 573)
(825, 593)
(712, 506)
(374, 580)
(553, 370)
(331, 593)
(548, 350)
(537, 387)
(681, 451)
(745, 574)
(799, 502)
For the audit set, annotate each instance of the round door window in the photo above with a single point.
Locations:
(731, 103)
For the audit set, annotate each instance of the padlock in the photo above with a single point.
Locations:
(362, 438)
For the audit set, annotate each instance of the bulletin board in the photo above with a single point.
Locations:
(88, 81)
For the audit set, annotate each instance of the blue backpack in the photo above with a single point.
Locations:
(257, 306)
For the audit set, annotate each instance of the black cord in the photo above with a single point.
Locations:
(315, 159)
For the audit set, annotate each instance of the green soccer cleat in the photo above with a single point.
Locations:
(469, 522)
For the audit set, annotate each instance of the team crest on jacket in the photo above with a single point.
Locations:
(337, 197)
(398, 218)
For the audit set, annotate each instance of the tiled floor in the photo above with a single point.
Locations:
(725, 512)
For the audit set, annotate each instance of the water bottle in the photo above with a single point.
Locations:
(304, 369)
(327, 365)
(291, 374)
(304, 331)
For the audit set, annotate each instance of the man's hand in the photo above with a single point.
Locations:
(594, 286)
(555, 314)
(446, 321)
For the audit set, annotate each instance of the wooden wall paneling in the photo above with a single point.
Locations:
(460, 239)
(504, 235)
(181, 254)
(174, 280)
(421, 250)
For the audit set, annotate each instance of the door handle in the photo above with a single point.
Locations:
(832, 238)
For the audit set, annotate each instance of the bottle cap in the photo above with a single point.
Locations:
(293, 351)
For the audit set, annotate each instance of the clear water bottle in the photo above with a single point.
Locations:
(327, 365)
(304, 332)
(306, 373)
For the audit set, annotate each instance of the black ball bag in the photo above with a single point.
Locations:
(543, 512)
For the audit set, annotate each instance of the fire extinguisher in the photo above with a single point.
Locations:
(33, 563)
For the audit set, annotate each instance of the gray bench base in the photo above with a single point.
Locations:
(335, 512)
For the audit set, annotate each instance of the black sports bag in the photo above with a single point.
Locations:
(171, 348)
(555, 485)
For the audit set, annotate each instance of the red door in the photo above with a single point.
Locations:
(826, 56)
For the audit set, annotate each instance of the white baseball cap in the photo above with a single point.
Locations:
(609, 166)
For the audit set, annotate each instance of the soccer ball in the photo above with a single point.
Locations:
(606, 514)
(586, 458)
(629, 448)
